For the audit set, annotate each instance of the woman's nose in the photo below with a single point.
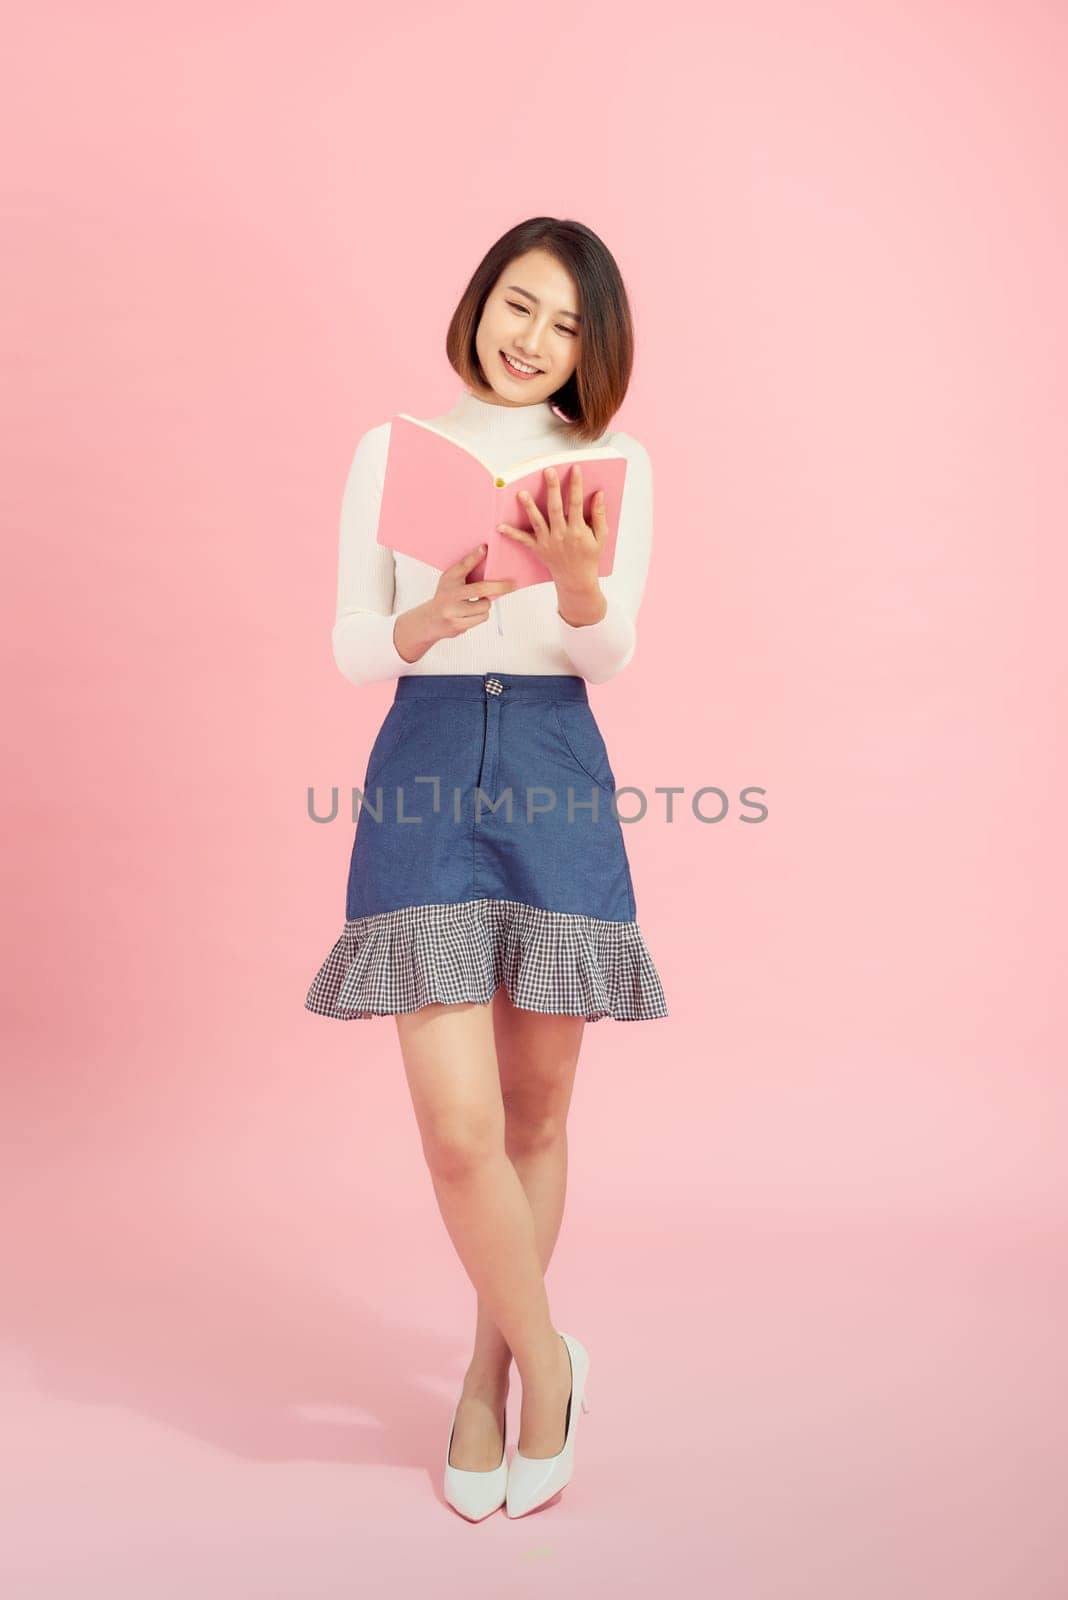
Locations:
(533, 344)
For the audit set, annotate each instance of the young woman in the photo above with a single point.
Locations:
(494, 932)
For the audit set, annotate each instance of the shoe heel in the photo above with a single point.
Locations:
(534, 1480)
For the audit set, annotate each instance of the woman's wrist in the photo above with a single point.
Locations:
(582, 606)
(410, 638)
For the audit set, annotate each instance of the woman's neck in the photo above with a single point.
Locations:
(503, 424)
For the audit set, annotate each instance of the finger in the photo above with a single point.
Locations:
(574, 498)
(554, 499)
(490, 586)
(600, 516)
(465, 563)
(472, 617)
(530, 506)
(517, 534)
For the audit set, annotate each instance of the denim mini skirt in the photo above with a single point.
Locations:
(487, 851)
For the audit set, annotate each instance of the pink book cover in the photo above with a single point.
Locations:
(440, 499)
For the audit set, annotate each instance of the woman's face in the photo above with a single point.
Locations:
(532, 315)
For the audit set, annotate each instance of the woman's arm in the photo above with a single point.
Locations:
(598, 650)
(363, 630)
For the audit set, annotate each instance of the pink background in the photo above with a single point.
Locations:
(816, 1227)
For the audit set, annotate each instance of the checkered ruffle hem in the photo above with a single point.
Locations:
(559, 962)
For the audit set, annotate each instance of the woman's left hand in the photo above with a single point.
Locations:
(569, 547)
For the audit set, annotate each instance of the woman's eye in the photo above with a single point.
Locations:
(560, 328)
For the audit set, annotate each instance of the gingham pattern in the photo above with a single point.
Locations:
(551, 961)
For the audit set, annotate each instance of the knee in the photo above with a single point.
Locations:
(455, 1147)
(530, 1128)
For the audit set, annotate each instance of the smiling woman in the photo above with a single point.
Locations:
(555, 301)
(490, 907)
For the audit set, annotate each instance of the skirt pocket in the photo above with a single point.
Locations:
(388, 742)
(582, 740)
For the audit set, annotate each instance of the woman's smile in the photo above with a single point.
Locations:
(519, 372)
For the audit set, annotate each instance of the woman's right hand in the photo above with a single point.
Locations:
(456, 607)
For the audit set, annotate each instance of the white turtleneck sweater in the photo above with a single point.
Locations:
(524, 631)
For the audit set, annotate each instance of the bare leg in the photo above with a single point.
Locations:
(536, 1056)
(451, 1064)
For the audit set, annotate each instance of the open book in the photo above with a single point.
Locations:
(440, 499)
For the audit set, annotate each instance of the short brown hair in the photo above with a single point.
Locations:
(594, 392)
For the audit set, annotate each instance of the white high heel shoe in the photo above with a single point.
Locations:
(475, 1494)
(532, 1479)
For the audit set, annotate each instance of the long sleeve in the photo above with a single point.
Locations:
(363, 630)
(599, 650)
